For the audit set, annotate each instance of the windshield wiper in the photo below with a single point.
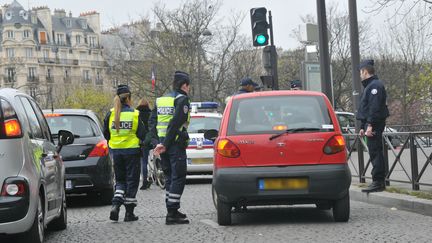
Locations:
(294, 130)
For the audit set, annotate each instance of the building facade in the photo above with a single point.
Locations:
(41, 51)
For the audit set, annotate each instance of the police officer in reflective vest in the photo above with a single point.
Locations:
(372, 113)
(169, 120)
(124, 130)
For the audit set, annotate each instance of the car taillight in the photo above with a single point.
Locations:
(16, 189)
(100, 150)
(227, 148)
(334, 145)
(12, 128)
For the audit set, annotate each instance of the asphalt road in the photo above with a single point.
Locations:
(88, 222)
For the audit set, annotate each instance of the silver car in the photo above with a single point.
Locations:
(32, 188)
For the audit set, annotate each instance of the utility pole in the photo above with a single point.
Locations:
(273, 56)
(326, 82)
(355, 56)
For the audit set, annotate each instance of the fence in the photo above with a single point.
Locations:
(398, 148)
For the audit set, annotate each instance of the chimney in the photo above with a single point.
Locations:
(61, 13)
(44, 15)
(93, 20)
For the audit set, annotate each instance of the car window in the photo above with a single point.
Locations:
(270, 114)
(35, 128)
(346, 120)
(42, 121)
(82, 126)
(202, 124)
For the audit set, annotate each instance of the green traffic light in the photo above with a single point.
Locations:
(261, 39)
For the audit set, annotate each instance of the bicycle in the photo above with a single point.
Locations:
(155, 172)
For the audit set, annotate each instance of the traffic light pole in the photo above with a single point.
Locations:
(273, 56)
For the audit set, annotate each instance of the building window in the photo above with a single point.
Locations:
(78, 39)
(46, 53)
(42, 37)
(31, 74)
(60, 39)
(34, 19)
(48, 73)
(67, 72)
(68, 23)
(86, 75)
(26, 34)
(84, 24)
(10, 75)
(93, 42)
(32, 92)
(29, 52)
(10, 34)
(10, 52)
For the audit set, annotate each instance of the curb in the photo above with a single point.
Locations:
(393, 200)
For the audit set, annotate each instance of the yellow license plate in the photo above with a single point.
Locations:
(198, 161)
(283, 183)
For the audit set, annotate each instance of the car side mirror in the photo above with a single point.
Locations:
(211, 134)
(64, 138)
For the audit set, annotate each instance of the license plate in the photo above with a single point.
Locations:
(197, 161)
(68, 184)
(283, 183)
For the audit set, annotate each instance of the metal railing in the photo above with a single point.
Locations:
(398, 148)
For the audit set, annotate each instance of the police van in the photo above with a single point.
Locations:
(204, 116)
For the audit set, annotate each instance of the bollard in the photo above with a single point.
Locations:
(386, 160)
(414, 163)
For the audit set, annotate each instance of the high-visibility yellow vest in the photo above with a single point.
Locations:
(126, 136)
(165, 113)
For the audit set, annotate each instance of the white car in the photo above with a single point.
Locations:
(200, 150)
(347, 124)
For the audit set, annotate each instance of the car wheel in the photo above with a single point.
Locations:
(106, 196)
(223, 213)
(37, 230)
(341, 209)
(60, 223)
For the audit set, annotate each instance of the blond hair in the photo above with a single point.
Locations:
(119, 100)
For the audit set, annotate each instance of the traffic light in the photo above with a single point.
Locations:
(259, 26)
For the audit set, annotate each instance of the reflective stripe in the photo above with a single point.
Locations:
(173, 195)
(173, 200)
(130, 199)
(162, 130)
(118, 195)
(119, 191)
(163, 123)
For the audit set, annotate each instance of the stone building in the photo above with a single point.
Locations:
(41, 51)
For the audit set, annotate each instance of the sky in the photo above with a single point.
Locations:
(286, 13)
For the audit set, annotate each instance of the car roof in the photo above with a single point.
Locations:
(277, 93)
(70, 111)
(206, 114)
(344, 113)
(10, 93)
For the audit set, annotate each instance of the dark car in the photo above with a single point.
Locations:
(32, 194)
(88, 164)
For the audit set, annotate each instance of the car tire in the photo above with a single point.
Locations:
(341, 209)
(223, 213)
(106, 196)
(60, 223)
(37, 231)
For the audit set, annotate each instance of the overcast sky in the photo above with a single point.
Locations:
(286, 13)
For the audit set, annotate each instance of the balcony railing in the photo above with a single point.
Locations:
(8, 79)
(32, 79)
(99, 63)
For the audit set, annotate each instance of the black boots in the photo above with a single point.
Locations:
(114, 214)
(375, 186)
(129, 215)
(175, 217)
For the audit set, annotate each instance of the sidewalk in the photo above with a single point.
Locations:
(392, 200)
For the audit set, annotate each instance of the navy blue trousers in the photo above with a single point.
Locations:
(375, 148)
(127, 176)
(174, 167)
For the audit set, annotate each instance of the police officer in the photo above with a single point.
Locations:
(169, 120)
(124, 130)
(372, 113)
(246, 86)
(296, 85)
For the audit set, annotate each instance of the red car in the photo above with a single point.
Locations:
(280, 147)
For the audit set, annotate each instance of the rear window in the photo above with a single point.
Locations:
(82, 126)
(261, 115)
(202, 124)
